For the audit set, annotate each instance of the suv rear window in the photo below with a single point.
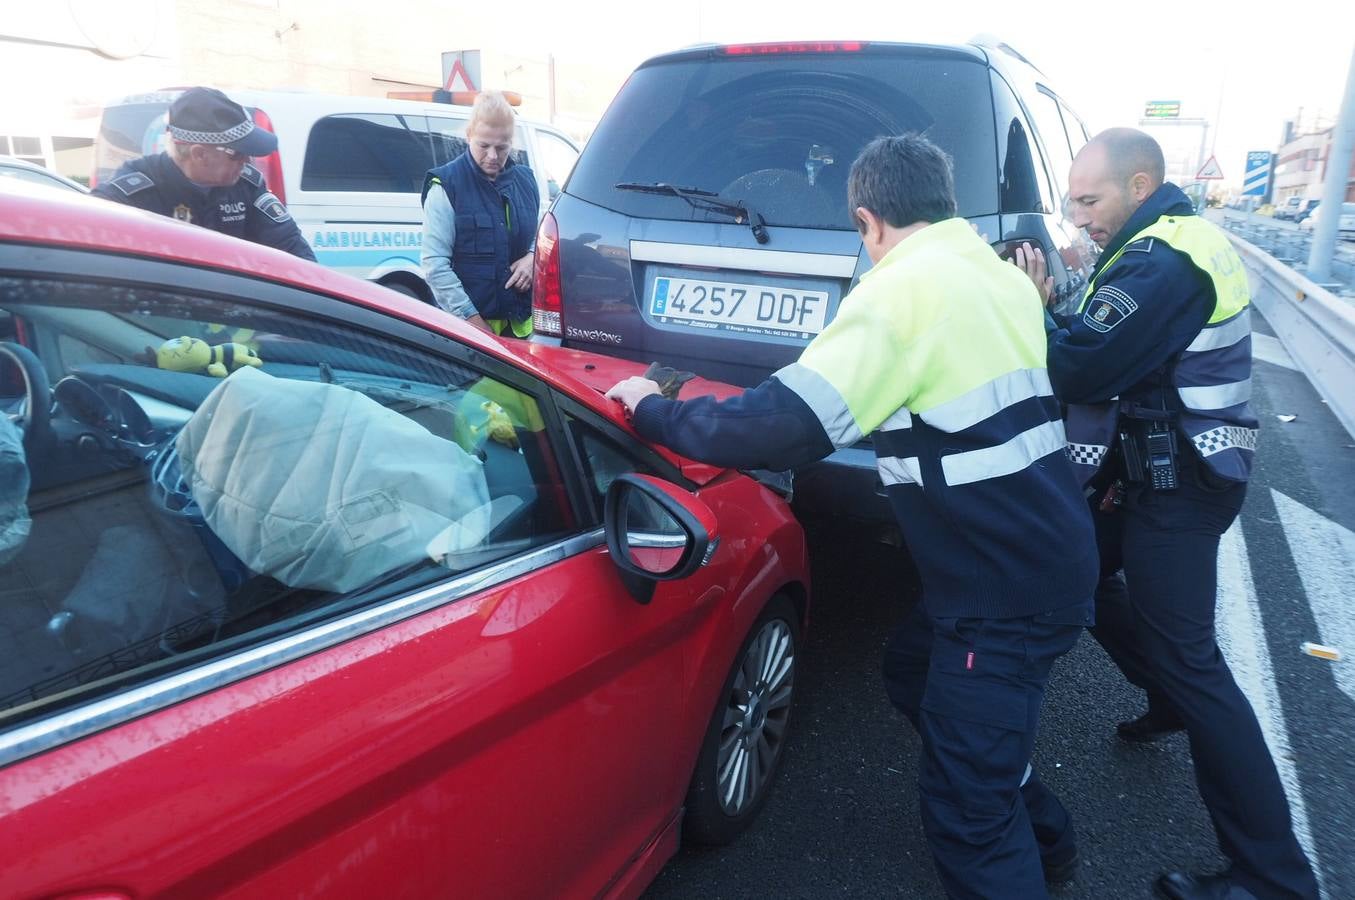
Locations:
(780, 132)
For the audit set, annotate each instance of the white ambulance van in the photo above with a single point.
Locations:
(350, 169)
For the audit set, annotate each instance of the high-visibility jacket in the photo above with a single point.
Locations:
(1211, 377)
(939, 355)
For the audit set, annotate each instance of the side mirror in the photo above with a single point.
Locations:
(656, 532)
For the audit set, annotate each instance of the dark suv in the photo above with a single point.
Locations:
(706, 225)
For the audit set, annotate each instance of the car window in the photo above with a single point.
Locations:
(367, 153)
(449, 140)
(557, 159)
(176, 516)
(603, 459)
(1023, 186)
(780, 132)
(1049, 122)
(32, 177)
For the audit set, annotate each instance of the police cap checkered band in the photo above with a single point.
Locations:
(206, 116)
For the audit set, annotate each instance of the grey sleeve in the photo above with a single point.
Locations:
(439, 235)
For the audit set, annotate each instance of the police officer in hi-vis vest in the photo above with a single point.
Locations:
(939, 353)
(206, 177)
(1155, 366)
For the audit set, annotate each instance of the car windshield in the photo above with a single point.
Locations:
(779, 133)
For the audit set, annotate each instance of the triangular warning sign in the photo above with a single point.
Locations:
(458, 80)
(1209, 171)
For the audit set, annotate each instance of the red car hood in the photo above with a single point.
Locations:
(601, 372)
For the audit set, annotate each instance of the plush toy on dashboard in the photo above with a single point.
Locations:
(187, 354)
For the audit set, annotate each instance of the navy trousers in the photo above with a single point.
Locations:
(973, 689)
(1157, 623)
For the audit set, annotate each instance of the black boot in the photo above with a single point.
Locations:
(1184, 886)
(1155, 724)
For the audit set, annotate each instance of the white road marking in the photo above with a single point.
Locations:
(1242, 638)
(1324, 553)
(1269, 349)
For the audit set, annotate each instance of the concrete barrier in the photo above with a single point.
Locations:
(1316, 327)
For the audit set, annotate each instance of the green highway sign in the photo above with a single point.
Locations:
(1162, 109)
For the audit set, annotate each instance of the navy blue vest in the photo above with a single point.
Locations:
(486, 244)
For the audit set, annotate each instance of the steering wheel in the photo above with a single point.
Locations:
(35, 421)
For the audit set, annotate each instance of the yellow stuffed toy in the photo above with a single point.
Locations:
(187, 354)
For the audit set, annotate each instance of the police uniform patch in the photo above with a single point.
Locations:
(252, 175)
(1109, 307)
(1142, 245)
(272, 207)
(132, 182)
(183, 213)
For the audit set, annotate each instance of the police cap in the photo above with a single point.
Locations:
(206, 116)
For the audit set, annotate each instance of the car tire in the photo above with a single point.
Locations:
(746, 737)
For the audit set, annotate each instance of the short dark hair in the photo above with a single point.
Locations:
(903, 180)
(1131, 151)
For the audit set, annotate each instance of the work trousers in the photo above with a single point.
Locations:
(1157, 624)
(973, 689)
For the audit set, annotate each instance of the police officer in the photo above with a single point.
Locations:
(206, 178)
(480, 216)
(939, 352)
(1156, 367)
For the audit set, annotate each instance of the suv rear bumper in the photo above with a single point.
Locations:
(844, 485)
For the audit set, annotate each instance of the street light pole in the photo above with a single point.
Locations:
(1334, 189)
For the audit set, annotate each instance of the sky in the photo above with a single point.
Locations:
(1245, 66)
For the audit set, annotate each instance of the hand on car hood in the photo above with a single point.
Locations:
(601, 372)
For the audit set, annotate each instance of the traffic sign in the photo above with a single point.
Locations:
(1210, 171)
(461, 70)
(1162, 109)
(1257, 178)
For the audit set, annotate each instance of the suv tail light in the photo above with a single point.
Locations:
(794, 47)
(270, 165)
(547, 303)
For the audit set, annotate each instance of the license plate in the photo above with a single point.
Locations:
(747, 308)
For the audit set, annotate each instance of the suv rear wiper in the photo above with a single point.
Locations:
(707, 200)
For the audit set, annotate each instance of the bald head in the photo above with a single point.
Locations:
(1128, 152)
(1111, 178)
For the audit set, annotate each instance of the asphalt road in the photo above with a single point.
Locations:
(843, 819)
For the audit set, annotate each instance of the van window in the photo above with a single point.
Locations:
(557, 159)
(1045, 110)
(780, 133)
(1022, 189)
(367, 153)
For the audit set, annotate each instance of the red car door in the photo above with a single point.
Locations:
(507, 726)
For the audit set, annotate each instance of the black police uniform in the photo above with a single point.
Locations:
(246, 209)
(1157, 623)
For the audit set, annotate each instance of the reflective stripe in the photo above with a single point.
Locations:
(900, 421)
(988, 399)
(1087, 454)
(1004, 459)
(1216, 396)
(826, 403)
(1225, 334)
(894, 470)
(1225, 437)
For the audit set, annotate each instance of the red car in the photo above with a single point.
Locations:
(310, 589)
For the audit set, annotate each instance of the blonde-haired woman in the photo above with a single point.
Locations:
(479, 224)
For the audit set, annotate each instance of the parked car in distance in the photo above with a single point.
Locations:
(330, 593)
(350, 169)
(22, 170)
(705, 224)
(1345, 226)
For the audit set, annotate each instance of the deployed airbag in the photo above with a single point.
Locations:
(319, 486)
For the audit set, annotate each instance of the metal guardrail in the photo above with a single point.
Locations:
(1291, 247)
(1315, 325)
